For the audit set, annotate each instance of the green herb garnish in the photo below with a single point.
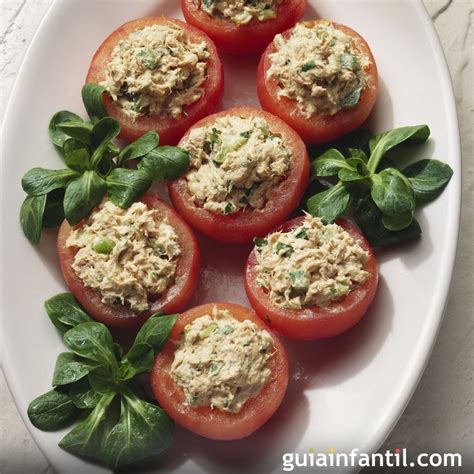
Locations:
(95, 167)
(93, 375)
(283, 249)
(383, 196)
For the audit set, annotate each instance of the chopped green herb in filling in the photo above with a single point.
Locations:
(156, 70)
(241, 12)
(221, 362)
(320, 67)
(312, 265)
(235, 163)
(126, 255)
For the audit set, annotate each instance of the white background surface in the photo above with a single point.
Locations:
(440, 415)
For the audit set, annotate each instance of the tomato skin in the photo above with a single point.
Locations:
(169, 129)
(314, 322)
(204, 421)
(242, 226)
(175, 299)
(319, 128)
(244, 39)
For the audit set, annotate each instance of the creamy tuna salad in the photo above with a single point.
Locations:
(156, 70)
(221, 362)
(320, 67)
(312, 265)
(241, 12)
(234, 163)
(126, 255)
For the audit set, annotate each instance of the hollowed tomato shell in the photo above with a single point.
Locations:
(214, 423)
(319, 128)
(243, 226)
(244, 39)
(170, 129)
(122, 316)
(314, 322)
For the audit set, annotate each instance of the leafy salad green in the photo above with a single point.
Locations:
(365, 178)
(95, 166)
(95, 384)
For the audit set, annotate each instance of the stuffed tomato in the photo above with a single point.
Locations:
(243, 28)
(321, 78)
(160, 74)
(308, 280)
(222, 373)
(123, 265)
(248, 172)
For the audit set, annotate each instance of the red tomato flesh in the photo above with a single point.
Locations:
(244, 39)
(319, 128)
(314, 322)
(122, 316)
(170, 129)
(204, 421)
(242, 226)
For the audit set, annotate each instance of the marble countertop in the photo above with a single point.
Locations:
(440, 416)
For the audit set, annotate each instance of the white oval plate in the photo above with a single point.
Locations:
(344, 393)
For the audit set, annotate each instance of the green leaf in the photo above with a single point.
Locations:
(92, 98)
(87, 438)
(39, 181)
(360, 154)
(83, 395)
(83, 195)
(31, 217)
(104, 131)
(351, 100)
(142, 430)
(76, 155)
(71, 368)
(126, 186)
(103, 379)
(56, 135)
(139, 148)
(369, 218)
(428, 179)
(165, 163)
(329, 163)
(92, 341)
(331, 204)
(356, 170)
(52, 411)
(383, 142)
(80, 131)
(394, 196)
(65, 312)
(156, 331)
(54, 210)
(150, 340)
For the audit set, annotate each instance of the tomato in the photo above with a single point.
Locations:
(204, 421)
(315, 322)
(319, 128)
(242, 226)
(122, 316)
(244, 39)
(170, 129)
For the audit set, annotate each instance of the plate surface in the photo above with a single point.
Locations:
(344, 393)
